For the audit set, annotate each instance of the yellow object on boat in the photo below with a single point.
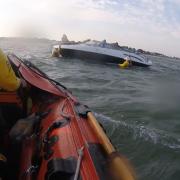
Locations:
(125, 64)
(8, 79)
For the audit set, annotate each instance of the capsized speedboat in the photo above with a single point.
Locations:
(102, 52)
(67, 141)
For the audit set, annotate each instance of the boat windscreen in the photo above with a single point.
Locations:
(134, 57)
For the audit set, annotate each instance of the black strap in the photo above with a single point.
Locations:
(49, 141)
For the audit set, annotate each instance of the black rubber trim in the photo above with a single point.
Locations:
(82, 110)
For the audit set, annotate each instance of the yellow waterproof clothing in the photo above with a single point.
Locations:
(125, 64)
(8, 79)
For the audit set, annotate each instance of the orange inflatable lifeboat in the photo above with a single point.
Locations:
(67, 141)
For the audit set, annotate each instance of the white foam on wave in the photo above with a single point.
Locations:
(154, 136)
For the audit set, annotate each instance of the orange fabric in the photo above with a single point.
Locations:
(10, 97)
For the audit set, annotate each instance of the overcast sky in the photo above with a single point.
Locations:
(148, 24)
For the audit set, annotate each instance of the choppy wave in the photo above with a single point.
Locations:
(154, 136)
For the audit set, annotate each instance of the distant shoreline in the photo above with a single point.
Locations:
(134, 50)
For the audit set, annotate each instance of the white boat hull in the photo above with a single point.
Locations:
(102, 54)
